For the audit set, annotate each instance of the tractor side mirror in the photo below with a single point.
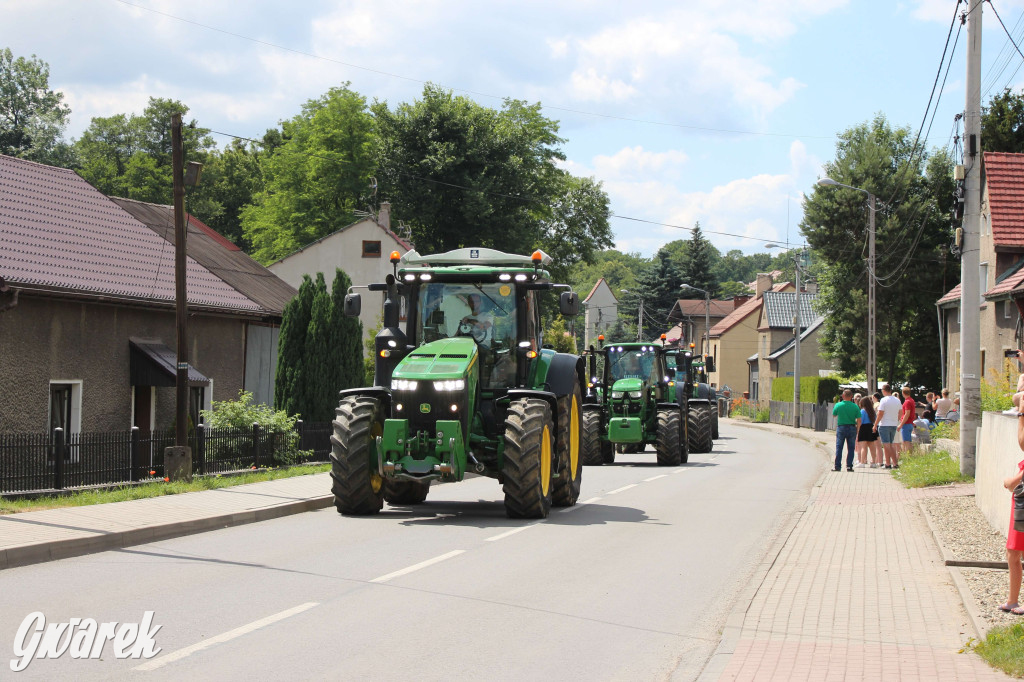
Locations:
(353, 304)
(569, 303)
(709, 364)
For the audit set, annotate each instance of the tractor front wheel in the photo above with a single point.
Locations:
(528, 459)
(592, 454)
(570, 462)
(667, 444)
(357, 486)
(698, 428)
(405, 492)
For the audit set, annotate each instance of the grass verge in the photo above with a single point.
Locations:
(156, 489)
(921, 468)
(1003, 648)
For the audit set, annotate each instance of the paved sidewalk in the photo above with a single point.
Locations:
(33, 537)
(856, 590)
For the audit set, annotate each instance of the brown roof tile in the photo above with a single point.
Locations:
(59, 232)
(741, 313)
(1004, 180)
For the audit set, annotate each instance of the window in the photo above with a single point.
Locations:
(983, 363)
(65, 411)
(371, 249)
(1010, 306)
(983, 274)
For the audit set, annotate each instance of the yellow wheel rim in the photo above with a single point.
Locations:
(545, 460)
(574, 439)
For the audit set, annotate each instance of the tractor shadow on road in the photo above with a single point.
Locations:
(491, 514)
(654, 465)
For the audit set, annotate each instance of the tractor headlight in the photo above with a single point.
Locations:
(403, 385)
(450, 385)
(636, 394)
(616, 395)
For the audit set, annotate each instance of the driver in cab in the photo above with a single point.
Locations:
(478, 323)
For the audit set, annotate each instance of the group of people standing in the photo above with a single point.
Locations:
(867, 425)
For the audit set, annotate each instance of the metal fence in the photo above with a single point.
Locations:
(812, 416)
(40, 462)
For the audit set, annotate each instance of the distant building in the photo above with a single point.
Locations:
(688, 316)
(601, 312)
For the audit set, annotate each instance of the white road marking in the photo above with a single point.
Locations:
(416, 567)
(226, 637)
(678, 471)
(502, 536)
(619, 490)
(655, 478)
(579, 505)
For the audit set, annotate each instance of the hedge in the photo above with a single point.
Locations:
(812, 389)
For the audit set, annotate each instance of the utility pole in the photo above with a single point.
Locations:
(707, 323)
(796, 347)
(872, 306)
(178, 459)
(640, 322)
(970, 284)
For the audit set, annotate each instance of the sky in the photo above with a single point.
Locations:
(721, 112)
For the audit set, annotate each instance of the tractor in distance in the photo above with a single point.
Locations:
(631, 401)
(702, 399)
(465, 386)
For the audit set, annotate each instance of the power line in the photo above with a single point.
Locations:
(390, 74)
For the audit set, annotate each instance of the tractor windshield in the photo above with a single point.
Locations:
(632, 363)
(483, 312)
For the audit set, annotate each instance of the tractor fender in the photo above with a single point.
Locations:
(668, 406)
(563, 368)
(551, 398)
(699, 401)
(379, 392)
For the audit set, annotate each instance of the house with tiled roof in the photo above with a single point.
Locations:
(87, 311)
(775, 356)
(690, 315)
(361, 249)
(1001, 256)
(734, 338)
(600, 311)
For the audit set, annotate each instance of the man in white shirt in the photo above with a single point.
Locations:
(885, 425)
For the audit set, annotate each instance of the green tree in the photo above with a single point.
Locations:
(462, 174)
(698, 268)
(734, 289)
(289, 382)
(231, 180)
(319, 372)
(346, 339)
(316, 178)
(32, 116)
(659, 287)
(1002, 123)
(913, 229)
(558, 337)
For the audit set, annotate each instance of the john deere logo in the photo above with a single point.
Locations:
(425, 408)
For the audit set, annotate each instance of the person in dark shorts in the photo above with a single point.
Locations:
(847, 423)
(867, 439)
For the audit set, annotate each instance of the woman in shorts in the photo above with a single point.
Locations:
(867, 439)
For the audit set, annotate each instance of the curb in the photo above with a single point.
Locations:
(719, 659)
(966, 596)
(52, 550)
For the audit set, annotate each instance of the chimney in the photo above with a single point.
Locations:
(737, 301)
(764, 283)
(384, 215)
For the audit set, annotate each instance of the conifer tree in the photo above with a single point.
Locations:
(698, 268)
(346, 340)
(289, 380)
(317, 357)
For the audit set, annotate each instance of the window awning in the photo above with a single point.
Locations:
(152, 363)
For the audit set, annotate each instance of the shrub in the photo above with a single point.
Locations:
(812, 389)
(949, 430)
(741, 407)
(241, 414)
(996, 388)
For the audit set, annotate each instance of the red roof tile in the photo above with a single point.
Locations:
(58, 231)
(694, 307)
(951, 295)
(1004, 180)
(741, 313)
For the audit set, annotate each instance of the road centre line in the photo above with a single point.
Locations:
(416, 567)
(619, 490)
(502, 536)
(579, 505)
(655, 478)
(678, 471)
(226, 637)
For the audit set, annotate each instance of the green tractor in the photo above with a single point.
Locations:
(630, 402)
(692, 380)
(465, 386)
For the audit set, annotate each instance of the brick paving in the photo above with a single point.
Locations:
(858, 592)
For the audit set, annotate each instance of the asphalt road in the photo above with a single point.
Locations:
(633, 584)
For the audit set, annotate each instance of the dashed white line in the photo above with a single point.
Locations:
(678, 471)
(502, 536)
(655, 478)
(579, 505)
(226, 637)
(619, 490)
(416, 567)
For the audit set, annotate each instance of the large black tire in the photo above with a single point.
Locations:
(566, 488)
(400, 491)
(714, 421)
(698, 428)
(357, 486)
(667, 443)
(592, 451)
(528, 459)
(684, 445)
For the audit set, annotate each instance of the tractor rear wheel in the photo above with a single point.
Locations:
(667, 443)
(400, 492)
(529, 446)
(570, 462)
(357, 486)
(593, 448)
(714, 420)
(698, 428)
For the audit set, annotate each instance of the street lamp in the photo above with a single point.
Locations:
(872, 362)
(796, 335)
(707, 316)
(640, 316)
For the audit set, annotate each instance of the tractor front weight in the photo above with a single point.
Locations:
(424, 455)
